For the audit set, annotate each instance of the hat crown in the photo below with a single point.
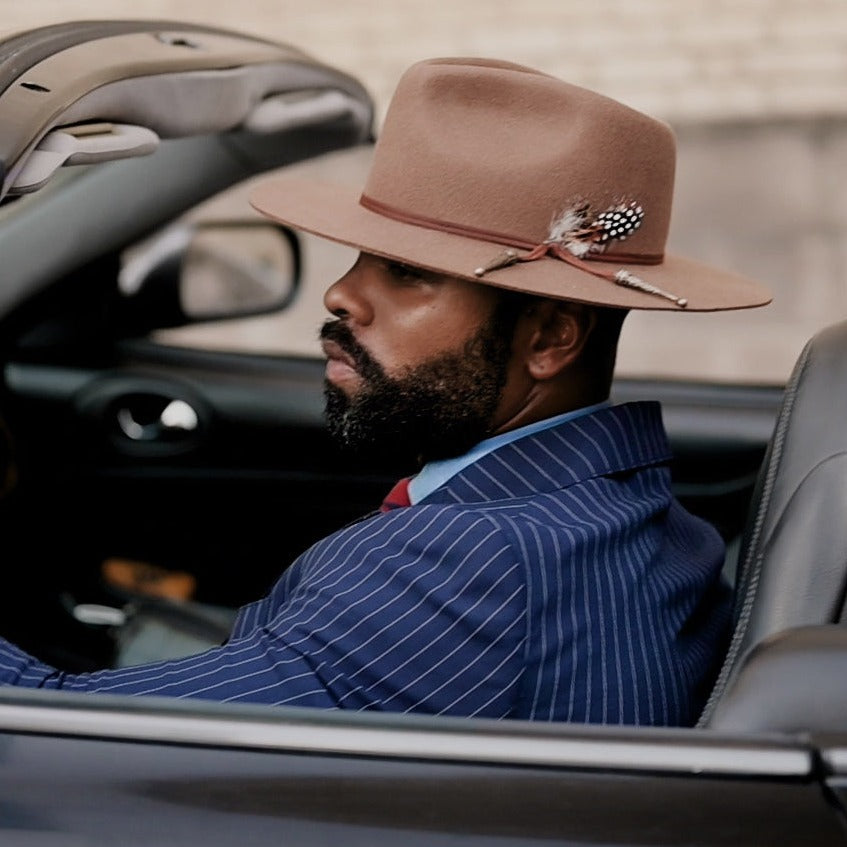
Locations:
(497, 173)
(498, 148)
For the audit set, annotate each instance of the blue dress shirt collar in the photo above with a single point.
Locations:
(434, 474)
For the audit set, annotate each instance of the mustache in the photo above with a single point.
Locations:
(339, 332)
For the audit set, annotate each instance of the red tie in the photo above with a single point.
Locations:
(398, 496)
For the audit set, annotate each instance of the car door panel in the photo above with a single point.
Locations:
(186, 774)
(256, 483)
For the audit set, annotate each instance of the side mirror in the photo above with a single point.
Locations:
(212, 271)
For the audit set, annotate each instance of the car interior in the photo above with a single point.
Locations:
(202, 473)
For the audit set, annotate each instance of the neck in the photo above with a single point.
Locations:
(545, 401)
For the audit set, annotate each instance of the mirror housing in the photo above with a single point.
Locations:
(210, 271)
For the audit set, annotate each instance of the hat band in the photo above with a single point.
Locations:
(549, 247)
(490, 235)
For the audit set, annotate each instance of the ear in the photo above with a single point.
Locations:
(560, 329)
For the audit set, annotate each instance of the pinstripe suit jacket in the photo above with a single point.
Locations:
(554, 579)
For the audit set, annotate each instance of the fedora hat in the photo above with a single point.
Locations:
(495, 172)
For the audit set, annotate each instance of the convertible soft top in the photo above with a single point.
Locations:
(92, 91)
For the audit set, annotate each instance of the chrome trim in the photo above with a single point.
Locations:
(504, 743)
(835, 759)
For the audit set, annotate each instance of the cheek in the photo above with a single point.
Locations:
(411, 325)
(444, 326)
(435, 331)
(415, 344)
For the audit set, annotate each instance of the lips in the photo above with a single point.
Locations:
(340, 365)
(334, 352)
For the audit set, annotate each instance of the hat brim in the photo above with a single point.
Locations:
(332, 210)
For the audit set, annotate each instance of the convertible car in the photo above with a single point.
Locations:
(155, 474)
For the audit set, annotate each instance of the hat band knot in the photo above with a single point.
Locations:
(560, 245)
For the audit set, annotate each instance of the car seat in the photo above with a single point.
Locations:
(787, 649)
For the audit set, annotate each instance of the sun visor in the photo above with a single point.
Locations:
(127, 118)
(284, 112)
(85, 144)
(90, 143)
(72, 109)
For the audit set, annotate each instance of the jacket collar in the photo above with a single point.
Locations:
(612, 440)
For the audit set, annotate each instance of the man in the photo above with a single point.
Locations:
(538, 566)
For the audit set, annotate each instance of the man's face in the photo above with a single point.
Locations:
(416, 361)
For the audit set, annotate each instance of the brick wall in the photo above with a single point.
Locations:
(678, 59)
(766, 198)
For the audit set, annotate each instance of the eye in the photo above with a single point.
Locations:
(404, 273)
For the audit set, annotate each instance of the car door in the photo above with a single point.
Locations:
(204, 472)
(99, 769)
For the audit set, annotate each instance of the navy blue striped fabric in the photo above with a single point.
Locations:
(555, 579)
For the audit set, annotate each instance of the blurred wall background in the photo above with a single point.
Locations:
(755, 89)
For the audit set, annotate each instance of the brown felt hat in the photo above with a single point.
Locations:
(495, 172)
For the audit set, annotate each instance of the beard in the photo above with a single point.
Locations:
(435, 410)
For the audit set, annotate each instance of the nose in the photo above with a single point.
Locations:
(347, 296)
